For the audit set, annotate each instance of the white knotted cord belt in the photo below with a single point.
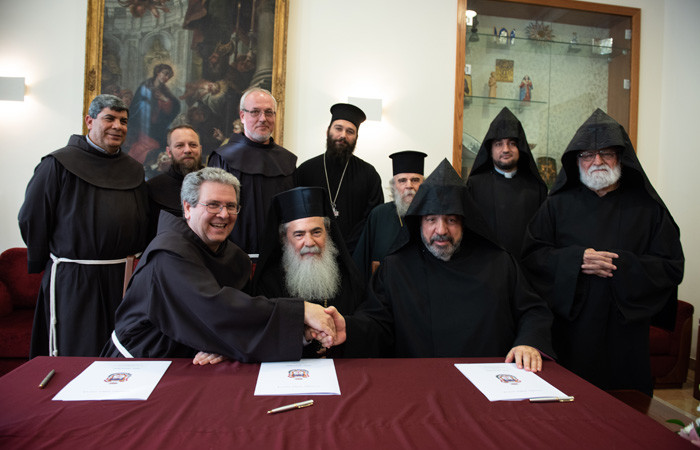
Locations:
(53, 344)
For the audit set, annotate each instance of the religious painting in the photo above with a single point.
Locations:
(504, 70)
(184, 62)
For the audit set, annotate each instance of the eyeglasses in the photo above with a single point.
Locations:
(255, 113)
(606, 155)
(215, 208)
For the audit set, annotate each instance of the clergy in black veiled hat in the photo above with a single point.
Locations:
(353, 185)
(385, 221)
(447, 290)
(605, 253)
(304, 255)
(504, 181)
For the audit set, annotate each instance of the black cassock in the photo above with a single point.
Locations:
(82, 204)
(264, 170)
(477, 304)
(164, 195)
(507, 204)
(601, 325)
(184, 298)
(381, 229)
(360, 190)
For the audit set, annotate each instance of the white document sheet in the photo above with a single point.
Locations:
(115, 380)
(501, 381)
(305, 377)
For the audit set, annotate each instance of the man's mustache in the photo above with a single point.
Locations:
(441, 238)
(314, 250)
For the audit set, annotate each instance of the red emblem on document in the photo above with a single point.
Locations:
(298, 374)
(507, 378)
(118, 377)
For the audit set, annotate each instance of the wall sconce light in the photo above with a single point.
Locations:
(12, 88)
(372, 107)
(470, 17)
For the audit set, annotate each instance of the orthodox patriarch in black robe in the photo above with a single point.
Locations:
(601, 326)
(185, 298)
(86, 205)
(264, 170)
(507, 204)
(269, 277)
(476, 304)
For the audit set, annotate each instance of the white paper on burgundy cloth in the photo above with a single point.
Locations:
(504, 381)
(115, 380)
(304, 377)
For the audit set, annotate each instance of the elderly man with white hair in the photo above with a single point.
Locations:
(605, 253)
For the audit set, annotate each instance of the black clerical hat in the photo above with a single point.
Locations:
(301, 202)
(346, 111)
(408, 161)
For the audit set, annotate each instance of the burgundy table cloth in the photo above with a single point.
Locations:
(384, 403)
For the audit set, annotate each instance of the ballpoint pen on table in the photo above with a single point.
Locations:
(292, 406)
(46, 379)
(551, 399)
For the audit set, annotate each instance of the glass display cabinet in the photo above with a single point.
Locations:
(552, 63)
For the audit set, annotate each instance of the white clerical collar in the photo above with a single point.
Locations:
(504, 173)
(97, 147)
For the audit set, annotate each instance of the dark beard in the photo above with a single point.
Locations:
(505, 167)
(339, 150)
(184, 170)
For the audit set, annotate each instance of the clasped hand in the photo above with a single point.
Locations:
(325, 337)
(598, 263)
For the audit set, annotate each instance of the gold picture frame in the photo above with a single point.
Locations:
(112, 55)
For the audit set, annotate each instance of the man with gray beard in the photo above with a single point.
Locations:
(304, 256)
(605, 253)
(263, 167)
(448, 289)
(385, 221)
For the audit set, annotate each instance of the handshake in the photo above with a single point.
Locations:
(325, 325)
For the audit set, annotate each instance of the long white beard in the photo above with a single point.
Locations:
(402, 202)
(311, 278)
(600, 179)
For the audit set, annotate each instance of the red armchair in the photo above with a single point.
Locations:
(18, 294)
(670, 350)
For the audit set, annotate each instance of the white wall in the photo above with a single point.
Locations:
(678, 147)
(44, 42)
(401, 51)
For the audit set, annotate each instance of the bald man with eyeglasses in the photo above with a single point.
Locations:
(605, 253)
(264, 168)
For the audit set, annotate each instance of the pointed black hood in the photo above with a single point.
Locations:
(506, 125)
(443, 192)
(598, 132)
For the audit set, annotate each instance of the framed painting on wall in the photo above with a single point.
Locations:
(184, 61)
